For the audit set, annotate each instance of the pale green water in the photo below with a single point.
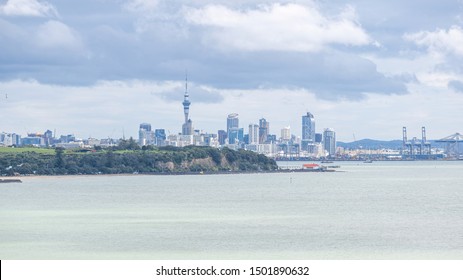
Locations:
(383, 210)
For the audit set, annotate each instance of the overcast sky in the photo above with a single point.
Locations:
(96, 68)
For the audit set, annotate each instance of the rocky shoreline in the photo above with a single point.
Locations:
(233, 172)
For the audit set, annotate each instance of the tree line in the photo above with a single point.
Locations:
(127, 158)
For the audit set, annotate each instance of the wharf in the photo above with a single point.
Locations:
(10, 181)
(291, 170)
(311, 167)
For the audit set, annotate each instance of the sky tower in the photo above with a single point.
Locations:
(187, 127)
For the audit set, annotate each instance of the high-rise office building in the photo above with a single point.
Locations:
(160, 135)
(222, 135)
(264, 128)
(145, 126)
(246, 139)
(308, 132)
(329, 141)
(253, 134)
(286, 133)
(146, 135)
(271, 138)
(308, 127)
(10, 139)
(187, 127)
(232, 121)
(232, 127)
(65, 138)
(241, 135)
(233, 135)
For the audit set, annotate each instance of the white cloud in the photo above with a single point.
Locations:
(55, 34)
(278, 27)
(441, 41)
(28, 8)
(439, 65)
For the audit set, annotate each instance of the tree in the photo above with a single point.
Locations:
(59, 157)
(128, 145)
(109, 158)
(215, 155)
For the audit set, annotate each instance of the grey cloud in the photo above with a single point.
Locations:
(330, 75)
(115, 50)
(29, 52)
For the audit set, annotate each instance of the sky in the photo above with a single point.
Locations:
(99, 68)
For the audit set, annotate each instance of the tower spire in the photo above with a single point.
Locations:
(186, 83)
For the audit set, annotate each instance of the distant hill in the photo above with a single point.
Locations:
(377, 144)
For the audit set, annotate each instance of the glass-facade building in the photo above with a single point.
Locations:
(308, 127)
(329, 141)
(264, 128)
(232, 128)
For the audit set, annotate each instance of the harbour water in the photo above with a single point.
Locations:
(382, 210)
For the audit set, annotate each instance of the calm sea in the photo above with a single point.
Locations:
(382, 210)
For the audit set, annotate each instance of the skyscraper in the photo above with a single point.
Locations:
(233, 135)
(232, 121)
(253, 134)
(146, 135)
(286, 133)
(232, 127)
(264, 128)
(222, 135)
(329, 141)
(160, 135)
(308, 127)
(145, 126)
(246, 139)
(241, 135)
(187, 127)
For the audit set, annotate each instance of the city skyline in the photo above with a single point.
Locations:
(398, 67)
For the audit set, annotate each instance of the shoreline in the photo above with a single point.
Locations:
(176, 173)
(329, 169)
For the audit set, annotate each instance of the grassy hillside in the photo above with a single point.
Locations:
(42, 151)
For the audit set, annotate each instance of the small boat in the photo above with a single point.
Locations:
(327, 161)
(368, 161)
